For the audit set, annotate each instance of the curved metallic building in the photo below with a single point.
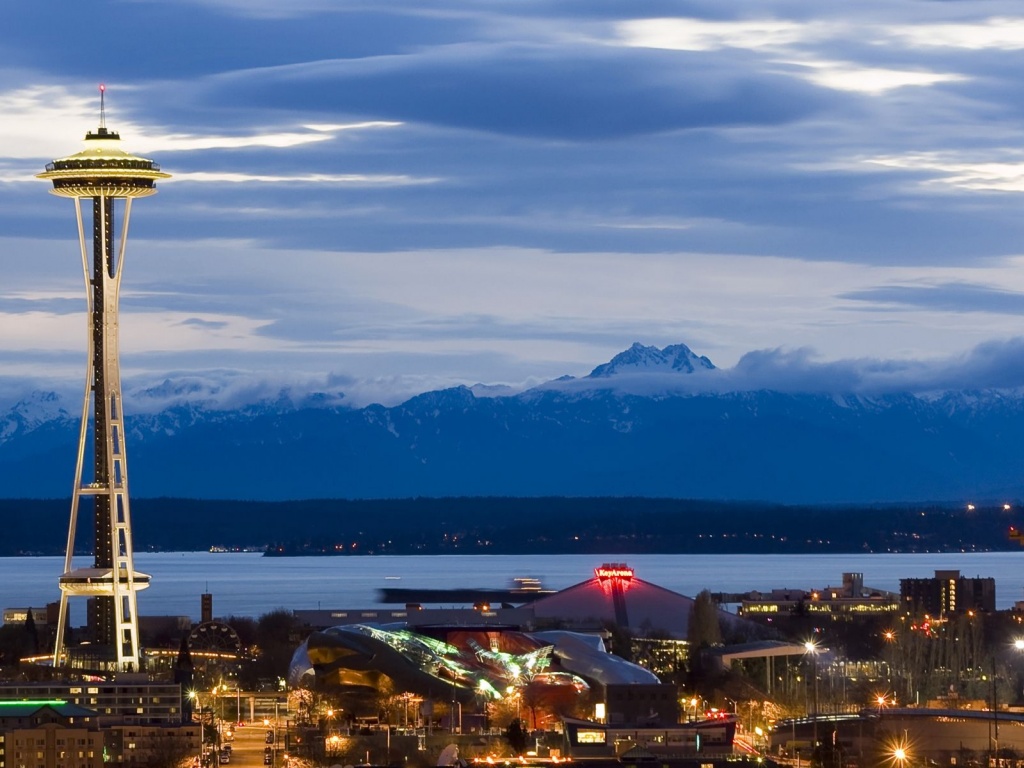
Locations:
(466, 665)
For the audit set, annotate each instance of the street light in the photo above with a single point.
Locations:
(194, 697)
(812, 648)
(883, 701)
(693, 705)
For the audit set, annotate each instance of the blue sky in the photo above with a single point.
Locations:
(386, 197)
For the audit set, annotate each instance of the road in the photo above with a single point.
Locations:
(247, 747)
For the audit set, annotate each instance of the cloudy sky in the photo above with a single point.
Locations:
(384, 197)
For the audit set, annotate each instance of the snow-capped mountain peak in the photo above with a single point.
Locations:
(31, 412)
(639, 359)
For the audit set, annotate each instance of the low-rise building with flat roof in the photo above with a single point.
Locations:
(130, 701)
(850, 600)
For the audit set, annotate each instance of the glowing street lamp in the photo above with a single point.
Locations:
(193, 696)
(898, 751)
(812, 648)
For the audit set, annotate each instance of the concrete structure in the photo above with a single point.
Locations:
(103, 173)
(947, 594)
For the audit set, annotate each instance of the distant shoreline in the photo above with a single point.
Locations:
(521, 526)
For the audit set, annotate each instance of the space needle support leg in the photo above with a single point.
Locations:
(120, 516)
(82, 433)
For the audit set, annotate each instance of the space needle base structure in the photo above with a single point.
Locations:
(96, 178)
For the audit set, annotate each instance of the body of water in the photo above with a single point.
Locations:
(248, 584)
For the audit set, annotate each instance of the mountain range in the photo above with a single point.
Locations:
(650, 423)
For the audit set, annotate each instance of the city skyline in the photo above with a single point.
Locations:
(395, 197)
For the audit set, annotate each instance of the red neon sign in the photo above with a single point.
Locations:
(611, 571)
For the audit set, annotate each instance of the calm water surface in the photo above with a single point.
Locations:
(248, 584)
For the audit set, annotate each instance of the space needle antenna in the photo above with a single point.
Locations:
(103, 109)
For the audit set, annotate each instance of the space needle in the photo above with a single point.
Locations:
(95, 178)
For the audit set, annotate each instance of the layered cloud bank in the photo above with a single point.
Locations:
(385, 199)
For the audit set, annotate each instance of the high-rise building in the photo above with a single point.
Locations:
(948, 593)
(96, 178)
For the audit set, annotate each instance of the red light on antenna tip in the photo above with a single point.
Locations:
(102, 87)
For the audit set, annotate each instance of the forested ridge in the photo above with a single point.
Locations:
(518, 525)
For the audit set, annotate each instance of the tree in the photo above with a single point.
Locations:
(246, 628)
(619, 641)
(279, 636)
(170, 749)
(703, 629)
(32, 632)
(14, 644)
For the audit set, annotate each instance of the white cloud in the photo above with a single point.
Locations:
(282, 140)
(954, 170)
(40, 119)
(846, 76)
(335, 127)
(786, 43)
(768, 34)
(1003, 33)
(699, 35)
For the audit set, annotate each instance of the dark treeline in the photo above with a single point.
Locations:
(519, 525)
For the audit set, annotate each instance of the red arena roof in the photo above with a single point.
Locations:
(615, 594)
